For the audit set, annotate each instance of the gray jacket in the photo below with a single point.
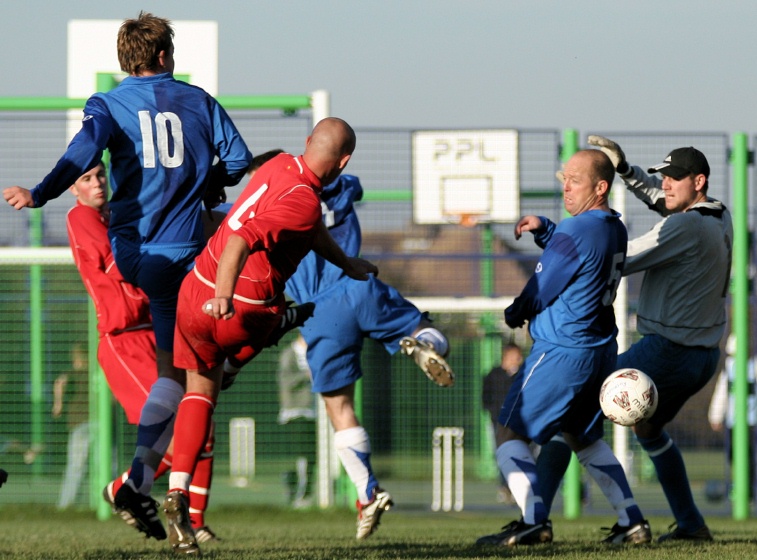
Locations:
(686, 258)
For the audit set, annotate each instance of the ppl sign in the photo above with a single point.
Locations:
(468, 149)
(465, 172)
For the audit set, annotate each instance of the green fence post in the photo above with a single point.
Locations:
(36, 343)
(572, 481)
(100, 409)
(740, 318)
(488, 352)
(100, 422)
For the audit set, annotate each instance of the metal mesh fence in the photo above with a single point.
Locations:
(400, 407)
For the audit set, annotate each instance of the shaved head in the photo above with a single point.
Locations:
(333, 135)
(329, 147)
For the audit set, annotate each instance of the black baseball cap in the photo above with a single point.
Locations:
(682, 162)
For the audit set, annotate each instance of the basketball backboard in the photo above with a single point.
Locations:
(464, 175)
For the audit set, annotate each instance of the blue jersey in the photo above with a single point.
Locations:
(568, 300)
(163, 136)
(315, 274)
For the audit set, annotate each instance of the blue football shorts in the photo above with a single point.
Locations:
(345, 314)
(678, 371)
(158, 269)
(557, 391)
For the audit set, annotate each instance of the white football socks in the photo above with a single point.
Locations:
(517, 464)
(435, 338)
(354, 450)
(605, 469)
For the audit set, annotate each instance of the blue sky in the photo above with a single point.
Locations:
(655, 65)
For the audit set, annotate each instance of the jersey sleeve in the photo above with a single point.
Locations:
(647, 189)
(339, 199)
(89, 248)
(664, 243)
(83, 153)
(118, 304)
(234, 157)
(544, 234)
(556, 268)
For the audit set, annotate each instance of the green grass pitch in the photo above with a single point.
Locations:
(41, 532)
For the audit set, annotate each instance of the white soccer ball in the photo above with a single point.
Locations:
(628, 396)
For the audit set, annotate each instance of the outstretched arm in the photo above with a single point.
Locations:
(645, 188)
(354, 267)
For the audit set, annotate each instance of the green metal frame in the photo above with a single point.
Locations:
(740, 160)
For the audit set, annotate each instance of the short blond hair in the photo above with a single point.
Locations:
(141, 40)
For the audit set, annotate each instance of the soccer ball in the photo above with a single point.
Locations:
(628, 396)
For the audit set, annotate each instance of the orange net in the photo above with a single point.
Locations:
(466, 219)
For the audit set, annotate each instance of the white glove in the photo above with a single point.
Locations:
(560, 175)
(613, 151)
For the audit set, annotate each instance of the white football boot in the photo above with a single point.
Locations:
(369, 515)
(429, 360)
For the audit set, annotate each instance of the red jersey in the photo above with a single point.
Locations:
(276, 215)
(119, 305)
(126, 352)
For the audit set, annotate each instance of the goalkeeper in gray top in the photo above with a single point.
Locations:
(686, 258)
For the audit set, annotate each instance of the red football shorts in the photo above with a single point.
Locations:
(202, 342)
(130, 366)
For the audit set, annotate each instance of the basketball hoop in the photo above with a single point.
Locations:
(466, 219)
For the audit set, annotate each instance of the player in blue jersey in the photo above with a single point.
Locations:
(347, 311)
(568, 304)
(163, 136)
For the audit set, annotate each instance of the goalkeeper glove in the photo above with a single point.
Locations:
(613, 151)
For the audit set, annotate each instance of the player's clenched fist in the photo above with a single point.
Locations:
(18, 197)
(219, 308)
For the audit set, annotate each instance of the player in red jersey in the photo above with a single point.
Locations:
(126, 351)
(229, 305)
